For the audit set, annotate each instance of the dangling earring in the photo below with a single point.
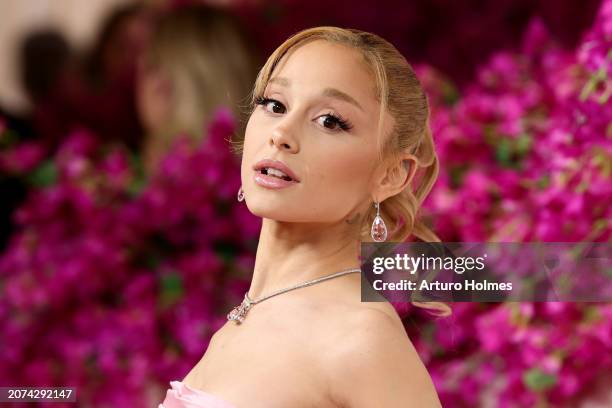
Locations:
(240, 196)
(379, 229)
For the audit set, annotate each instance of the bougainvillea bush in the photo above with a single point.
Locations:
(526, 153)
(113, 281)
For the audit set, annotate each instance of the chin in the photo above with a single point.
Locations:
(265, 208)
(282, 210)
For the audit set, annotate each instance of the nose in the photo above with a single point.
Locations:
(283, 138)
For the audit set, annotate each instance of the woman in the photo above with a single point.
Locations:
(339, 125)
(199, 59)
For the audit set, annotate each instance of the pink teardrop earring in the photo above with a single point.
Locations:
(379, 229)
(240, 196)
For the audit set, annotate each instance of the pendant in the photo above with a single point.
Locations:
(379, 229)
(238, 314)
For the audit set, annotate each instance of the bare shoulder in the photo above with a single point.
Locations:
(374, 364)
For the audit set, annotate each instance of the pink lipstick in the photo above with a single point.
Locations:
(274, 174)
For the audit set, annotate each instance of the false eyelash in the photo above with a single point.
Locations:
(343, 123)
(262, 100)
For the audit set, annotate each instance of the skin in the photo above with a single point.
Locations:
(152, 97)
(154, 103)
(317, 346)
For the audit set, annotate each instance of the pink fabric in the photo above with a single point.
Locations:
(183, 396)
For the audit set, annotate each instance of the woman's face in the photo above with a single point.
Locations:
(153, 97)
(319, 117)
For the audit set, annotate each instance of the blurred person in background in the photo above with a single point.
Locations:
(67, 91)
(122, 38)
(94, 91)
(46, 60)
(199, 60)
(104, 96)
(44, 57)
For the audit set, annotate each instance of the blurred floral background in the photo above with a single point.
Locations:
(122, 245)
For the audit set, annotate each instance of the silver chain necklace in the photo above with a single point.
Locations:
(238, 314)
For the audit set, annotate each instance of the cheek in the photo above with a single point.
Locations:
(335, 186)
(345, 172)
(249, 146)
(151, 105)
(250, 129)
(143, 101)
(256, 134)
(140, 91)
(250, 135)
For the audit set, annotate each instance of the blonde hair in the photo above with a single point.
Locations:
(209, 63)
(399, 91)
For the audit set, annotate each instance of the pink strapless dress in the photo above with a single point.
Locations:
(183, 396)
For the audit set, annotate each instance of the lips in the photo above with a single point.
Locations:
(276, 169)
(274, 174)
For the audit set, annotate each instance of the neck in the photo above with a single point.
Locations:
(293, 253)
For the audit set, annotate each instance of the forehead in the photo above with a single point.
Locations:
(321, 64)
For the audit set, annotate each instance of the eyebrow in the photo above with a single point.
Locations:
(329, 92)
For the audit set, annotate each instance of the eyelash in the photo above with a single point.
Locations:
(343, 124)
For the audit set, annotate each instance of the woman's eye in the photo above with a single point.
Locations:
(333, 122)
(277, 107)
(330, 121)
(271, 105)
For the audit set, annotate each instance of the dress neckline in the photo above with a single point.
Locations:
(187, 389)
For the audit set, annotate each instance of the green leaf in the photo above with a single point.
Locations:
(543, 182)
(450, 94)
(597, 78)
(538, 380)
(152, 261)
(136, 187)
(140, 178)
(523, 143)
(591, 315)
(225, 250)
(171, 288)
(456, 176)
(43, 175)
(7, 138)
(502, 152)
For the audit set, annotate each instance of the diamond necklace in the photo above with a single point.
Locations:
(238, 314)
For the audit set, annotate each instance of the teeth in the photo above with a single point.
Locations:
(276, 173)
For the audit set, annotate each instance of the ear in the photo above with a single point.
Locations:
(395, 176)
